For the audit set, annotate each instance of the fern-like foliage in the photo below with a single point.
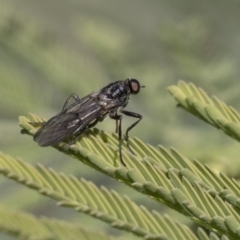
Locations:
(28, 227)
(211, 110)
(189, 187)
(83, 196)
(166, 176)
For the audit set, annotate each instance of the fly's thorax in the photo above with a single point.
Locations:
(116, 90)
(125, 101)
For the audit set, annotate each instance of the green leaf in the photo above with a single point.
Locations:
(27, 226)
(211, 110)
(188, 187)
(81, 195)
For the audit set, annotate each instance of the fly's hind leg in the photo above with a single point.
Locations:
(74, 96)
(118, 119)
(65, 106)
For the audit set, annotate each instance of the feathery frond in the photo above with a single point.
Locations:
(166, 176)
(108, 206)
(27, 226)
(211, 110)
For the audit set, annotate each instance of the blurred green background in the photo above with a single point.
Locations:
(50, 49)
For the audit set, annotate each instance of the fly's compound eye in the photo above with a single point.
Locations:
(134, 86)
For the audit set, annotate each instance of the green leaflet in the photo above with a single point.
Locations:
(211, 110)
(27, 226)
(188, 187)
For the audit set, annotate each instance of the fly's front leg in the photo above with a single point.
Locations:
(135, 115)
(76, 98)
(116, 130)
(118, 119)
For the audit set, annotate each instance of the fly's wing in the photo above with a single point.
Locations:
(74, 120)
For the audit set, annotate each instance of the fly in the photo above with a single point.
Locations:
(74, 119)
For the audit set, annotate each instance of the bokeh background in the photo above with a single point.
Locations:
(50, 49)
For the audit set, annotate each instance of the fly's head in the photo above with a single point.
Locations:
(134, 85)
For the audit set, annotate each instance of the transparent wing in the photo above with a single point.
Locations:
(73, 121)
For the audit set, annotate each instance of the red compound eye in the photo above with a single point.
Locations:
(134, 85)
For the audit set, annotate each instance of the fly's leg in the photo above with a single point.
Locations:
(77, 135)
(135, 115)
(76, 98)
(116, 131)
(118, 119)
